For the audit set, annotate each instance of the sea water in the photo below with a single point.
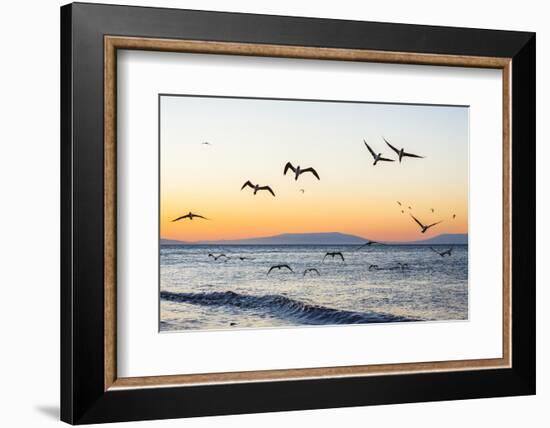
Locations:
(198, 292)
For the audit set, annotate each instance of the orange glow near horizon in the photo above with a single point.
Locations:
(253, 139)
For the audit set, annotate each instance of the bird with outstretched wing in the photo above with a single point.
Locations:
(190, 216)
(401, 152)
(279, 267)
(257, 187)
(299, 171)
(423, 226)
(333, 255)
(377, 157)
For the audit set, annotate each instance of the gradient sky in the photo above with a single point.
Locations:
(253, 139)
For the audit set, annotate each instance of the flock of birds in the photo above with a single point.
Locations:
(298, 171)
(423, 227)
(333, 255)
(401, 153)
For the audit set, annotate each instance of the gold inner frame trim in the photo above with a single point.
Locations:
(113, 43)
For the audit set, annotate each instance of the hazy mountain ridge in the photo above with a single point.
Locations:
(324, 238)
(443, 239)
(175, 242)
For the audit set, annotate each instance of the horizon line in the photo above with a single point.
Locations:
(202, 241)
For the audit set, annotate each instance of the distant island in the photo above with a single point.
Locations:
(324, 238)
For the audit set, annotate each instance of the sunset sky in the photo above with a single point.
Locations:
(253, 139)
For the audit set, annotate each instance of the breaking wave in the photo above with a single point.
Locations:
(282, 307)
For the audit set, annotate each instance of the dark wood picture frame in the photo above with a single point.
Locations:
(90, 37)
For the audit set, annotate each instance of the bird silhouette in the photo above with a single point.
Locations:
(218, 256)
(257, 187)
(401, 152)
(299, 171)
(454, 216)
(243, 258)
(373, 267)
(368, 244)
(334, 254)
(377, 157)
(205, 143)
(190, 216)
(311, 270)
(279, 267)
(422, 226)
(398, 203)
(443, 253)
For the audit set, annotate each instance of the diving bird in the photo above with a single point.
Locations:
(377, 157)
(312, 270)
(422, 226)
(334, 254)
(257, 187)
(190, 216)
(279, 267)
(401, 152)
(298, 171)
(368, 244)
(218, 256)
(443, 253)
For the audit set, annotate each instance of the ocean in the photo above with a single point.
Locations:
(200, 293)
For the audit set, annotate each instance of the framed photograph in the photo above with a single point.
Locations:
(265, 213)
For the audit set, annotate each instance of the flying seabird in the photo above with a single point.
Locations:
(218, 256)
(257, 187)
(402, 212)
(443, 253)
(279, 267)
(312, 270)
(398, 203)
(454, 216)
(190, 216)
(410, 208)
(368, 244)
(371, 267)
(422, 226)
(298, 171)
(334, 254)
(205, 143)
(432, 210)
(401, 152)
(302, 190)
(377, 157)
(243, 258)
